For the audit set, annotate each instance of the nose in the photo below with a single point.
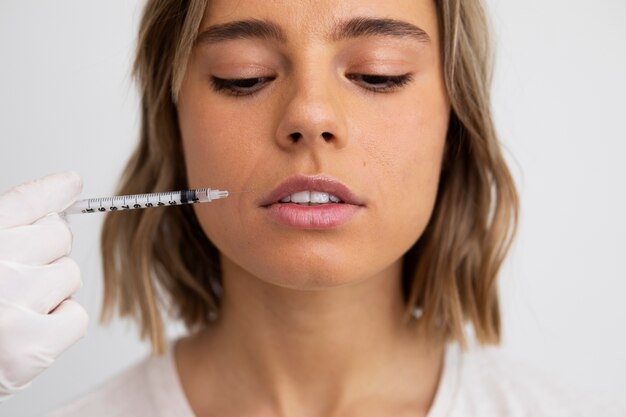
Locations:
(312, 116)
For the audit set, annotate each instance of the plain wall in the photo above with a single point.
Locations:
(67, 102)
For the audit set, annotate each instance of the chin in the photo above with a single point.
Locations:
(308, 272)
(310, 281)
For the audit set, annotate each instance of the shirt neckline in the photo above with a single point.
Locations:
(173, 401)
(442, 404)
(448, 382)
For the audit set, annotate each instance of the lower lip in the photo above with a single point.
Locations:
(324, 216)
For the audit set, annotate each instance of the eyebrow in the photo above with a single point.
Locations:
(363, 26)
(241, 29)
(352, 28)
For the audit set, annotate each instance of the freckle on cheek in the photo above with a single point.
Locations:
(364, 163)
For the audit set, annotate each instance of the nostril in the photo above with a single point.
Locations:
(327, 136)
(295, 136)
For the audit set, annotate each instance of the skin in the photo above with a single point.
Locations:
(310, 323)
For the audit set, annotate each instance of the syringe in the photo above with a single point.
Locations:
(139, 201)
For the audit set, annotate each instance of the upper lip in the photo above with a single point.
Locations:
(321, 183)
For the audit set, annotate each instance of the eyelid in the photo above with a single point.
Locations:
(243, 72)
(380, 69)
(225, 85)
(228, 86)
(394, 82)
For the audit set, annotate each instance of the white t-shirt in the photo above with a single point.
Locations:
(480, 382)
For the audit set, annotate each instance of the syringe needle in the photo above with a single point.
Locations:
(237, 192)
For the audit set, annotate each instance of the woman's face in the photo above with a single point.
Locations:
(347, 89)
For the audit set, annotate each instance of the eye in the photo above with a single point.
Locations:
(238, 86)
(381, 83)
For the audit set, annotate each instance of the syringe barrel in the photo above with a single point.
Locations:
(140, 201)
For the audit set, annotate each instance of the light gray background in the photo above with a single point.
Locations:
(67, 102)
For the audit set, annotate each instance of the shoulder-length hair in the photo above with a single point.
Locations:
(160, 260)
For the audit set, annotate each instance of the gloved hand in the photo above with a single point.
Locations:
(38, 320)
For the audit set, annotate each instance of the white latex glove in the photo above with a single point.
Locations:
(38, 320)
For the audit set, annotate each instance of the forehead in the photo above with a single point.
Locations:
(327, 20)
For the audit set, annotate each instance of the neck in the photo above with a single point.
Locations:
(318, 352)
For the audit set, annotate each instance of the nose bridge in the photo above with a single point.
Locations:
(312, 111)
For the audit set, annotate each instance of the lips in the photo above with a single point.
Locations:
(321, 183)
(321, 216)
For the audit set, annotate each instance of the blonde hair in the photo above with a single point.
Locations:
(158, 260)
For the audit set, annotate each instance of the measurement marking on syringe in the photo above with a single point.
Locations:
(145, 200)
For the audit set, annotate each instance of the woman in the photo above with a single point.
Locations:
(371, 211)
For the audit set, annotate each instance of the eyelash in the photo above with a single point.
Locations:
(229, 86)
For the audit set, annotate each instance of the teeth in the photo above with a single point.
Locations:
(312, 197)
(301, 197)
(319, 197)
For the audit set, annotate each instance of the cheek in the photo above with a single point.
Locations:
(217, 156)
(411, 163)
(208, 156)
(221, 148)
